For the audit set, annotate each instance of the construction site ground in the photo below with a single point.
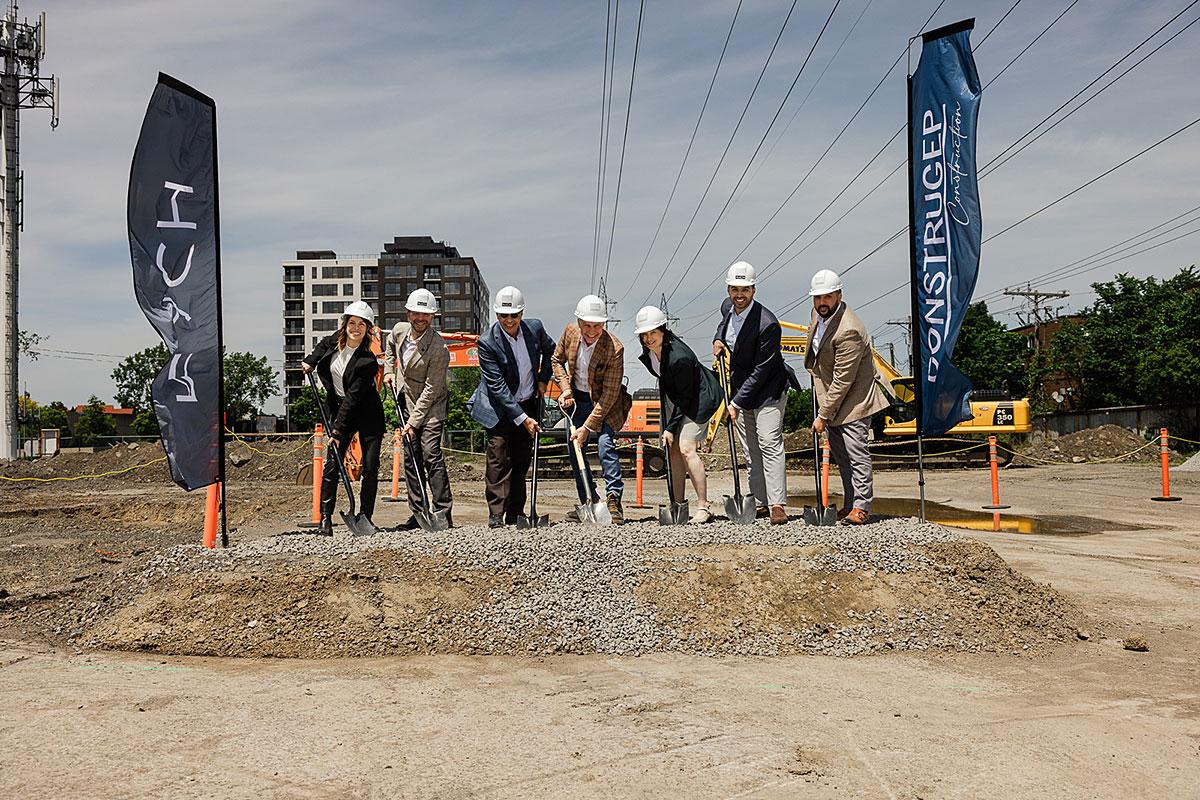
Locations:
(1059, 708)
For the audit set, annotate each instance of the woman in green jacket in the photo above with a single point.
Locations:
(689, 394)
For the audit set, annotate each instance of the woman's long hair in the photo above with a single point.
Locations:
(668, 337)
(342, 337)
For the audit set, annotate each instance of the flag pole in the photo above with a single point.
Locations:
(220, 331)
(912, 282)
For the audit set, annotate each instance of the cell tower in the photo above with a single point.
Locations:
(22, 45)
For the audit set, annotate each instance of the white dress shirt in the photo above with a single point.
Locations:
(337, 369)
(819, 332)
(528, 384)
(583, 360)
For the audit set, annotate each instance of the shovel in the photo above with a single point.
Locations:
(822, 515)
(427, 519)
(673, 513)
(533, 520)
(739, 508)
(590, 508)
(358, 524)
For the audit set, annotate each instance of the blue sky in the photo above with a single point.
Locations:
(343, 125)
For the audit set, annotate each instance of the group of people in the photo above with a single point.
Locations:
(518, 359)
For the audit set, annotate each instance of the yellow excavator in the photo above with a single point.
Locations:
(993, 413)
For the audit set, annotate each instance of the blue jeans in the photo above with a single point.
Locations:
(610, 462)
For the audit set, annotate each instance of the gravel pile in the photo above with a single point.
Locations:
(710, 590)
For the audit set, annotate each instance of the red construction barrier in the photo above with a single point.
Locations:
(397, 466)
(212, 515)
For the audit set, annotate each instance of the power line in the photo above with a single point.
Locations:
(688, 151)
(605, 106)
(624, 138)
(724, 152)
(754, 155)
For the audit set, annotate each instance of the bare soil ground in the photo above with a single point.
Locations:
(1068, 717)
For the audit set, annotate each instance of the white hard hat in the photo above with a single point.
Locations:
(826, 281)
(422, 300)
(591, 308)
(359, 309)
(509, 300)
(740, 274)
(648, 318)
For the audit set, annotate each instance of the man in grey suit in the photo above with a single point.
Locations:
(839, 357)
(417, 357)
(514, 367)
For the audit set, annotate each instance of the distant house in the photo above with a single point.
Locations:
(123, 417)
(1057, 386)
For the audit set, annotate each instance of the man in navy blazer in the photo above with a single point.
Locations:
(759, 381)
(514, 366)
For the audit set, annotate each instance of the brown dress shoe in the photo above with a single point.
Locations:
(762, 512)
(778, 515)
(857, 517)
(843, 513)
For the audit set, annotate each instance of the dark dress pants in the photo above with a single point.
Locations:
(509, 451)
(370, 441)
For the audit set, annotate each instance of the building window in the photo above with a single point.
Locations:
(324, 290)
(457, 304)
(370, 290)
(412, 271)
(293, 274)
(370, 273)
(457, 271)
(434, 287)
(314, 307)
(314, 273)
(393, 271)
(393, 287)
(392, 306)
(433, 273)
(324, 324)
(347, 289)
(332, 308)
(452, 287)
(337, 272)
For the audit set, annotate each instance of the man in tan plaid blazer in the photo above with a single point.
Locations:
(589, 365)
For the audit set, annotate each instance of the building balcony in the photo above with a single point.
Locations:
(293, 330)
(293, 294)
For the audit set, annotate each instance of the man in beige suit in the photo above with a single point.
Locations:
(417, 357)
(843, 371)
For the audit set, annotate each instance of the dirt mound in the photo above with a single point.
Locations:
(722, 590)
(1110, 443)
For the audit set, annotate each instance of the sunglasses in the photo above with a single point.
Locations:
(507, 316)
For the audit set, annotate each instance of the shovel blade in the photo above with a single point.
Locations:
(535, 521)
(358, 524)
(829, 517)
(666, 515)
(432, 520)
(600, 514)
(680, 514)
(741, 509)
(825, 517)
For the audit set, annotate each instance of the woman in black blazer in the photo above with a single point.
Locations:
(689, 396)
(348, 368)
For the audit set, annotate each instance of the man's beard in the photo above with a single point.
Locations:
(825, 311)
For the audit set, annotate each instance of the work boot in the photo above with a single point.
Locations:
(857, 516)
(615, 510)
(572, 516)
(495, 521)
(326, 527)
(778, 515)
(409, 524)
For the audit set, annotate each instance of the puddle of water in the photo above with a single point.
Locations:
(1050, 525)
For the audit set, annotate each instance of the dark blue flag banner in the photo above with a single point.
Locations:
(945, 222)
(174, 246)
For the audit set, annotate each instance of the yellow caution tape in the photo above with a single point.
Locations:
(1086, 461)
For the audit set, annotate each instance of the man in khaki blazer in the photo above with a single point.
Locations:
(417, 357)
(592, 393)
(843, 370)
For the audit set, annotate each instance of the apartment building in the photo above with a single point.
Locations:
(318, 284)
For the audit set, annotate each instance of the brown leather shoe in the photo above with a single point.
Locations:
(843, 513)
(762, 512)
(857, 516)
(778, 515)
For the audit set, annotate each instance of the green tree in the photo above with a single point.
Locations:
(1139, 342)
(249, 381)
(462, 383)
(93, 424)
(55, 416)
(798, 413)
(135, 375)
(992, 356)
(303, 414)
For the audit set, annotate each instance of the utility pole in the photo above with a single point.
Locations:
(905, 324)
(1037, 316)
(22, 45)
(603, 292)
